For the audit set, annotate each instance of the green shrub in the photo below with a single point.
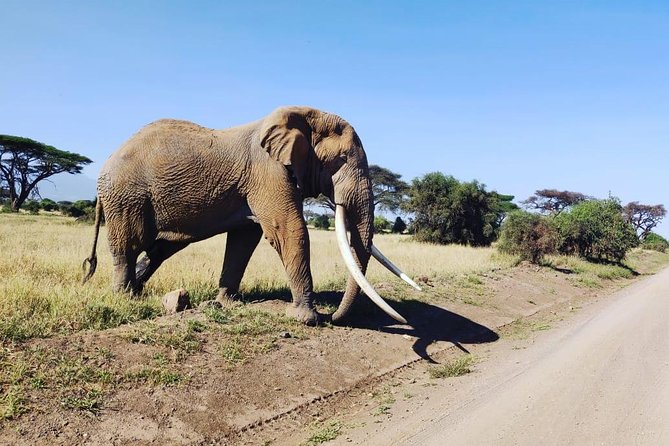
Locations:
(48, 205)
(31, 206)
(531, 236)
(655, 242)
(595, 229)
(81, 209)
(5, 203)
(320, 222)
(381, 224)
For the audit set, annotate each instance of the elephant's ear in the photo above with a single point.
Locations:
(285, 140)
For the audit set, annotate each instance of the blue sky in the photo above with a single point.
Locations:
(519, 95)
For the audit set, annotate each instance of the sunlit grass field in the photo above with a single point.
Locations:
(41, 295)
(41, 270)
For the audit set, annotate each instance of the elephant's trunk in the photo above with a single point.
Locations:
(356, 261)
(359, 257)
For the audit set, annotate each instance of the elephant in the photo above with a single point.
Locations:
(174, 183)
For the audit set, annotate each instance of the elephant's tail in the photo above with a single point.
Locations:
(93, 259)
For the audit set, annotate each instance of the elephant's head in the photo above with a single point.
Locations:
(324, 155)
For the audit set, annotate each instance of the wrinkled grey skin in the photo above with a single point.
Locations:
(174, 183)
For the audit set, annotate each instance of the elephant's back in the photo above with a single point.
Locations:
(179, 169)
(160, 137)
(159, 146)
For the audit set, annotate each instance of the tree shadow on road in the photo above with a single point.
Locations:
(594, 261)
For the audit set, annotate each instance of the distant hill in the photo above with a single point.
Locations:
(67, 187)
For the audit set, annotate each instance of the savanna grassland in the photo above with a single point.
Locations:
(41, 268)
(78, 362)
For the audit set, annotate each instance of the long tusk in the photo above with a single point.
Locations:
(378, 255)
(345, 249)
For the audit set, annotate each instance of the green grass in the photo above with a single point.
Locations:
(385, 398)
(325, 433)
(78, 381)
(85, 401)
(541, 326)
(458, 367)
(588, 282)
(246, 320)
(179, 338)
(232, 352)
(12, 403)
(156, 376)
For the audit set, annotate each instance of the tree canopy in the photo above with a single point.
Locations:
(643, 217)
(552, 201)
(596, 229)
(25, 162)
(448, 211)
(390, 191)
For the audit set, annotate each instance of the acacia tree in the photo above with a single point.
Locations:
(643, 217)
(25, 162)
(552, 201)
(505, 205)
(390, 191)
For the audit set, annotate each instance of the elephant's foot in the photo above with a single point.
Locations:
(304, 314)
(225, 298)
(133, 290)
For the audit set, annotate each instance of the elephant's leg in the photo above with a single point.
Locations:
(160, 251)
(124, 271)
(239, 247)
(124, 257)
(284, 227)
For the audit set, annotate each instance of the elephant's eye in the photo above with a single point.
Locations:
(343, 157)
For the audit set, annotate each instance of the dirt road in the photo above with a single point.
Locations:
(600, 378)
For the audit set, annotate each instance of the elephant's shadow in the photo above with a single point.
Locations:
(427, 323)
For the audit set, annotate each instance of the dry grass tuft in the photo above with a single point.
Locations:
(452, 369)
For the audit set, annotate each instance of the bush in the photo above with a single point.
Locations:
(399, 226)
(84, 209)
(320, 222)
(595, 229)
(31, 206)
(448, 211)
(531, 236)
(48, 205)
(381, 224)
(655, 242)
(5, 205)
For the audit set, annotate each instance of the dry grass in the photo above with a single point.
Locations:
(40, 274)
(457, 367)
